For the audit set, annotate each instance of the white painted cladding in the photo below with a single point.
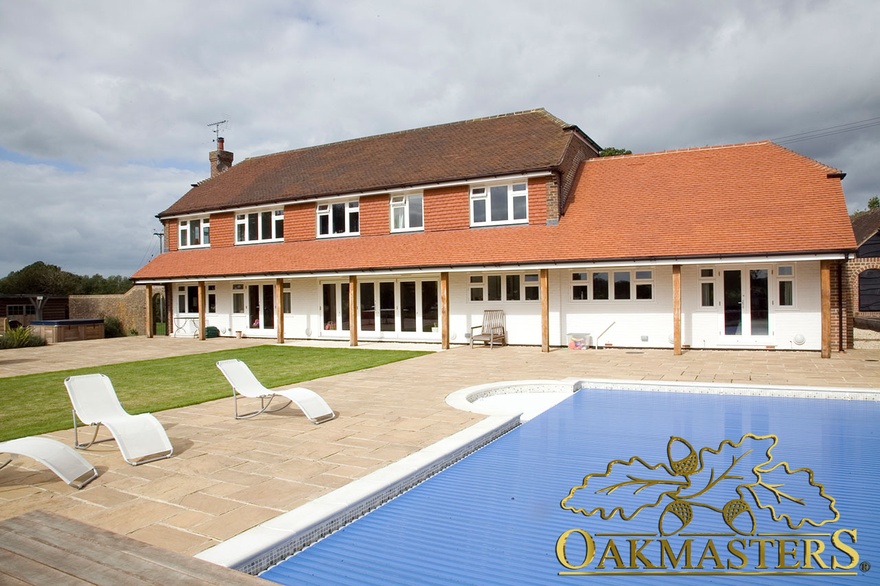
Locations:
(619, 323)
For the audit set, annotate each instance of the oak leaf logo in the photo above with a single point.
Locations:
(735, 480)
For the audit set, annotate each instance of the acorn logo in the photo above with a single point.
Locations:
(734, 480)
(708, 504)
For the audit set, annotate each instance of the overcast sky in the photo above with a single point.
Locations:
(105, 106)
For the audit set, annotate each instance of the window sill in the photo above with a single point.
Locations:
(497, 224)
(332, 236)
(251, 242)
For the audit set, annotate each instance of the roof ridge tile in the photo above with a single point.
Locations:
(547, 114)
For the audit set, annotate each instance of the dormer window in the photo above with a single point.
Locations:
(194, 232)
(407, 213)
(264, 226)
(339, 219)
(500, 204)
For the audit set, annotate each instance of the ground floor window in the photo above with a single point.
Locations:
(707, 287)
(785, 283)
(238, 298)
(509, 287)
(616, 285)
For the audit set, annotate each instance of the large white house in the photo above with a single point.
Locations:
(412, 235)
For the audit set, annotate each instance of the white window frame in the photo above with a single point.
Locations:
(184, 231)
(529, 286)
(243, 226)
(580, 279)
(481, 196)
(706, 276)
(286, 299)
(405, 205)
(640, 278)
(238, 299)
(782, 278)
(325, 210)
(587, 279)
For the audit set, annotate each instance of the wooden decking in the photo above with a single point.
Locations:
(44, 548)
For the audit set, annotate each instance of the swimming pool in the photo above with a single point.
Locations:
(528, 508)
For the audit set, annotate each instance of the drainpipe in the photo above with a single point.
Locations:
(841, 305)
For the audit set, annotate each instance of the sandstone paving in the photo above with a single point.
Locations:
(229, 475)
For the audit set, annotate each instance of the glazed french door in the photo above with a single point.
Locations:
(261, 306)
(746, 302)
(403, 306)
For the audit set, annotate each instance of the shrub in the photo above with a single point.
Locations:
(113, 327)
(20, 338)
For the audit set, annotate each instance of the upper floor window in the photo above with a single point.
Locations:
(500, 204)
(406, 212)
(259, 226)
(339, 219)
(195, 232)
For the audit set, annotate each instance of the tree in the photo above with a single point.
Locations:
(873, 204)
(45, 279)
(41, 278)
(613, 152)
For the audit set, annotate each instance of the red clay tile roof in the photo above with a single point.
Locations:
(486, 147)
(744, 199)
(748, 199)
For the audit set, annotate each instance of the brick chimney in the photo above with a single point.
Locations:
(220, 159)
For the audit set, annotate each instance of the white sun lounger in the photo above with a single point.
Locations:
(60, 459)
(244, 383)
(141, 438)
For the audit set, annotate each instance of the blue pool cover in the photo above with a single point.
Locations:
(614, 487)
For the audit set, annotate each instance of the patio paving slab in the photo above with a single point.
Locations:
(227, 476)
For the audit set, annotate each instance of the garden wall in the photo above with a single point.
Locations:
(129, 308)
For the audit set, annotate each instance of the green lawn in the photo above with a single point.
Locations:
(38, 403)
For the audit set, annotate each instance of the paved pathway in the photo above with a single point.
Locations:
(227, 476)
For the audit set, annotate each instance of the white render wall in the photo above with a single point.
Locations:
(626, 323)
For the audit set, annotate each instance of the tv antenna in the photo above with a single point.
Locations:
(216, 126)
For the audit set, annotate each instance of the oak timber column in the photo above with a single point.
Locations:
(825, 286)
(279, 310)
(202, 300)
(353, 310)
(169, 310)
(444, 311)
(149, 316)
(676, 310)
(545, 310)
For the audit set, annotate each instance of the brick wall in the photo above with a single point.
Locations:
(577, 152)
(223, 229)
(172, 235)
(840, 306)
(299, 222)
(447, 208)
(130, 308)
(538, 201)
(374, 215)
(854, 267)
